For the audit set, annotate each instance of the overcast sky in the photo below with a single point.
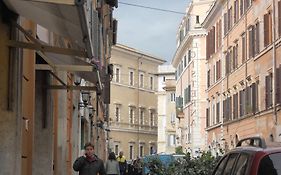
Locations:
(147, 30)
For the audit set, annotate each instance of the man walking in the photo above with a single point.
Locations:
(122, 163)
(89, 164)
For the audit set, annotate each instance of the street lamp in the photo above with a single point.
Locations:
(85, 97)
(77, 80)
(91, 110)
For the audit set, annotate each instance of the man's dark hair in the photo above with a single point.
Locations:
(111, 156)
(89, 144)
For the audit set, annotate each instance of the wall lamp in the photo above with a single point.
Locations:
(91, 110)
(85, 97)
(77, 80)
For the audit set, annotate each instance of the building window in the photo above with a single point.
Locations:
(211, 43)
(117, 75)
(268, 91)
(267, 29)
(131, 115)
(173, 118)
(230, 18)
(151, 150)
(257, 39)
(225, 23)
(131, 78)
(141, 116)
(208, 78)
(243, 48)
(251, 41)
(227, 109)
(207, 117)
(187, 94)
(235, 106)
(151, 116)
(227, 63)
(171, 140)
(236, 10)
(141, 153)
(116, 149)
(235, 56)
(218, 70)
(117, 113)
(141, 81)
(164, 78)
(151, 83)
(184, 61)
(218, 112)
(279, 18)
(242, 102)
(131, 152)
(173, 97)
(241, 7)
(189, 55)
(255, 98)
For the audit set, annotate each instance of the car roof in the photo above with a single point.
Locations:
(271, 147)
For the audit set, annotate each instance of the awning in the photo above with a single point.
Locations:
(68, 18)
(77, 66)
(73, 19)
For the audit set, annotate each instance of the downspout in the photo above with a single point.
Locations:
(274, 64)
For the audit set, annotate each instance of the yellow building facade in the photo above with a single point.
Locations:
(133, 108)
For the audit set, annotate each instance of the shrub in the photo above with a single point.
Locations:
(187, 165)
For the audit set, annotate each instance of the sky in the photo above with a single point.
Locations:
(150, 31)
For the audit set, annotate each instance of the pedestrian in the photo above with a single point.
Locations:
(112, 165)
(122, 163)
(137, 166)
(89, 163)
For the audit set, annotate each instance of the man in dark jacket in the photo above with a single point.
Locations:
(89, 164)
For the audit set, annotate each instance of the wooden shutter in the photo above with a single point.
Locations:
(207, 45)
(224, 110)
(257, 38)
(279, 18)
(250, 42)
(254, 98)
(268, 89)
(227, 63)
(241, 102)
(218, 112)
(230, 108)
(219, 71)
(208, 78)
(225, 23)
(207, 117)
(243, 48)
(266, 32)
(235, 106)
(278, 85)
(241, 7)
(235, 6)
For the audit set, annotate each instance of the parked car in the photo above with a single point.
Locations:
(252, 156)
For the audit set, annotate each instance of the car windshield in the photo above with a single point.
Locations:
(270, 165)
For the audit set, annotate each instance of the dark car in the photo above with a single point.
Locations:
(251, 157)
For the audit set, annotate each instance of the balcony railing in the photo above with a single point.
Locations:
(138, 127)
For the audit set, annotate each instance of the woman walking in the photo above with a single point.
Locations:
(112, 166)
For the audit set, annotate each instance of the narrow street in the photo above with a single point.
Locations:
(130, 87)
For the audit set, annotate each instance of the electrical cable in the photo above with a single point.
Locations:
(152, 8)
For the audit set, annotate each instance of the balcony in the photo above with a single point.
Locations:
(170, 85)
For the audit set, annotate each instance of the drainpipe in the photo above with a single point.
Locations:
(274, 64)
